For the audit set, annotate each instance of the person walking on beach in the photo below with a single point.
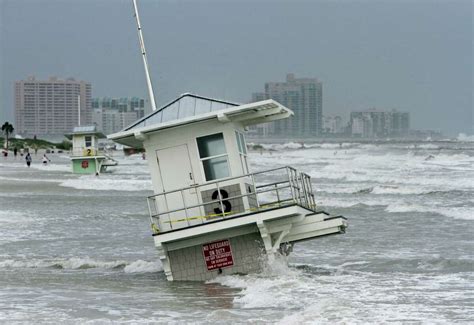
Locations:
(15, 151)
(45, 160)
(28, 159)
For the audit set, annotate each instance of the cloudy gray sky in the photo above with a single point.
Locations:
(414, 55)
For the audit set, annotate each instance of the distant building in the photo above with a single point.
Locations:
(111, 115)
(304, 96)
(332, 125)
(51, 107)
(376, 123)
(260, 130)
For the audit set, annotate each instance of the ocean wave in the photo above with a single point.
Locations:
(464, 213)
(344, 202)
(403, 190)
(73, 263)
(52, 167)
(340, 294)
(101, 183)
(141, 266)
(465, 138)
(280, 146)
(378, 189)
(423, 146)
(78, 263)
(15, 217)
(396, 205)
(420, 264)
(430, 181)
(31, 179)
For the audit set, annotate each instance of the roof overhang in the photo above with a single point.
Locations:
(99, 135)
(248, 114)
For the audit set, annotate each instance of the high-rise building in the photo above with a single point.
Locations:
(332, 125)
(51, 107)
(377, 123)
(111, 115)
(304, 96)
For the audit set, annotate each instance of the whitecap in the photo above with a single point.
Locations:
(141, 266)
(465, 138)
(464, 213)
(102, 183)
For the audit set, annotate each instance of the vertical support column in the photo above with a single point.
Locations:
(97, 167)
(165, 261)
(267, 240)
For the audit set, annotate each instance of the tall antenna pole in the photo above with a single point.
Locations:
(145, 61)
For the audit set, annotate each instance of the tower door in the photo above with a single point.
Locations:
(176, 173)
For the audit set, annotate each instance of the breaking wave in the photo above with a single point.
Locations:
(466, 138)
(108, 184)
(76, 263)
(464, 213)
(141, 266)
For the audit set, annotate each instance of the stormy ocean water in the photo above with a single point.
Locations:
(78, 249)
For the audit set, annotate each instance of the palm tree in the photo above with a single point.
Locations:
(7, 128)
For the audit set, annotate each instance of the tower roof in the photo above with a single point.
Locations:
(184, 106)
(85, 130)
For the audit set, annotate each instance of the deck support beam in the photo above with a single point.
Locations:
(165, 261)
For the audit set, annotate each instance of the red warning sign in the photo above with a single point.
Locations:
(218, 254)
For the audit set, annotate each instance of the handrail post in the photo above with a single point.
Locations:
(288, 172)
(278, 194)
(168, 208)
(220, 199)
(294, 182)
(298, 187)
(185, 208)
(313, 200)
(303, 190)
(252, 176)
(149, 210)
(304, 178)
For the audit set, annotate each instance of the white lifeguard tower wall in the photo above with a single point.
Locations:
(177, 151)
(182, 152)
(85, 140)
(196, 149)
(175, 162)
(85, 156)
(178, 165)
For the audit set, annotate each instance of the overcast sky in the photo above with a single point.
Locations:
(413, 56)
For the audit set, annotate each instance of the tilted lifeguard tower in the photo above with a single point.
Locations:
(85, 156)
(210, 213)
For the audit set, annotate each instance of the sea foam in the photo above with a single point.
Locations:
(83, 263)
(102, 183)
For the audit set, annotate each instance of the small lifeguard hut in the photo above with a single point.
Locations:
(211, 214)
(85, 156)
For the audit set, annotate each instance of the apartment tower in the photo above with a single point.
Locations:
(304, 96)
(51, 107)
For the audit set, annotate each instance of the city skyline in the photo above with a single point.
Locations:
(367, 54)
(111, 115)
